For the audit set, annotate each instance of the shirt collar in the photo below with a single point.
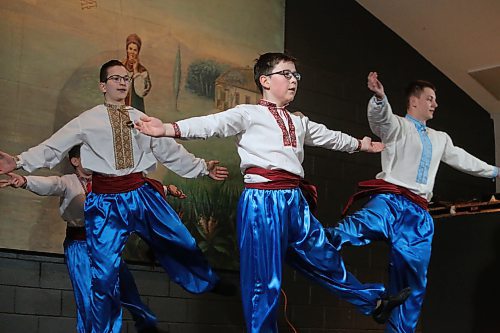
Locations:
(418, 124)
(263, 102)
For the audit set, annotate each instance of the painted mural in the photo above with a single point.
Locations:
(186, 58)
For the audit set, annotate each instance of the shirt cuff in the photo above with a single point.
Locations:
(356, 145)
(379, 102)
(19, 161)
(495, 172)
(177, 130)
(205, 171)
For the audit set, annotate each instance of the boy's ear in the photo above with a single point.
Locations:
(265, 81)
(413, 101)
(102, 87)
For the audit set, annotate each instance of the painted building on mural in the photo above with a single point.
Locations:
(236, 86)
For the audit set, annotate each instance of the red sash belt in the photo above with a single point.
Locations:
(120, 184)
(75, 233)
(282, 180)
(375, 186)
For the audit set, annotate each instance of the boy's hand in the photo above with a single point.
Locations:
(216, 172)
(375, 85)
(174, 191)
(371, 147)
(150, 126)
(7, 163)
(14, 180)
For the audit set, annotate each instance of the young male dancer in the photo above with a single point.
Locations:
(123, 200)
(274, 219)
(72, 190)
(397, 211)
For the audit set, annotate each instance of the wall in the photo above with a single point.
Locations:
(463, 274)
(37, 298)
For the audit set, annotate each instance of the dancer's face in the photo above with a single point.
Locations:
(280, 88)
(116, 87)
(423, 107)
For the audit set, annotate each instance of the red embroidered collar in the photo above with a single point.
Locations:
(289, 137)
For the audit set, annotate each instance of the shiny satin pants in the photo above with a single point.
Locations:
(408, 229)
(78, 263)
(274, 225)
(109, 220)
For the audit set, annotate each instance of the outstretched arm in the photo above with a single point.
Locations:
(222, 125)
(461, 160)
(318, 135)
(47, 154)
(44, 186)
(383, 122)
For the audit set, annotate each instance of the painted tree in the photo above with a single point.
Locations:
(177, 77)
(201, 77)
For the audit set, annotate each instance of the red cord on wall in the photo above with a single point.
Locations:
(285, 311)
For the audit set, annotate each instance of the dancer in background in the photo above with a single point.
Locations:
(397, 211)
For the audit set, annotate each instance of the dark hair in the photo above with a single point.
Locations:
(103, 74)
(415, 88)
(265, 64)
(74, 152)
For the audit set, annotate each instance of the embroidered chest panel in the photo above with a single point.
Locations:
(122, 137)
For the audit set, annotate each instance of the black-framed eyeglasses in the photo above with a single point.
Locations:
(118, 78)
(288, 74)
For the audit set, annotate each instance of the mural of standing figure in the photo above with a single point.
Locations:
(141, 81)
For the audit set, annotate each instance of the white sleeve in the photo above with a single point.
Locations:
(176, 158)
(45, 186)
(51, 152)
(461, 160)
(319, 135)
(383, 122)
(222, 124)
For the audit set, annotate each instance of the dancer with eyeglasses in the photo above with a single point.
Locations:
(275, 222)
(123, 200)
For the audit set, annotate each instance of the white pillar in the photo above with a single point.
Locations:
(496, 125)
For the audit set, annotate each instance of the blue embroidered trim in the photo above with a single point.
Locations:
(495, 172)
(425, 159)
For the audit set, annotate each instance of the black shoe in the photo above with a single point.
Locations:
(387, 304)
(225, 288)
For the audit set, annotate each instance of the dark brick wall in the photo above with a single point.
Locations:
(462, 294)
(36, 297)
